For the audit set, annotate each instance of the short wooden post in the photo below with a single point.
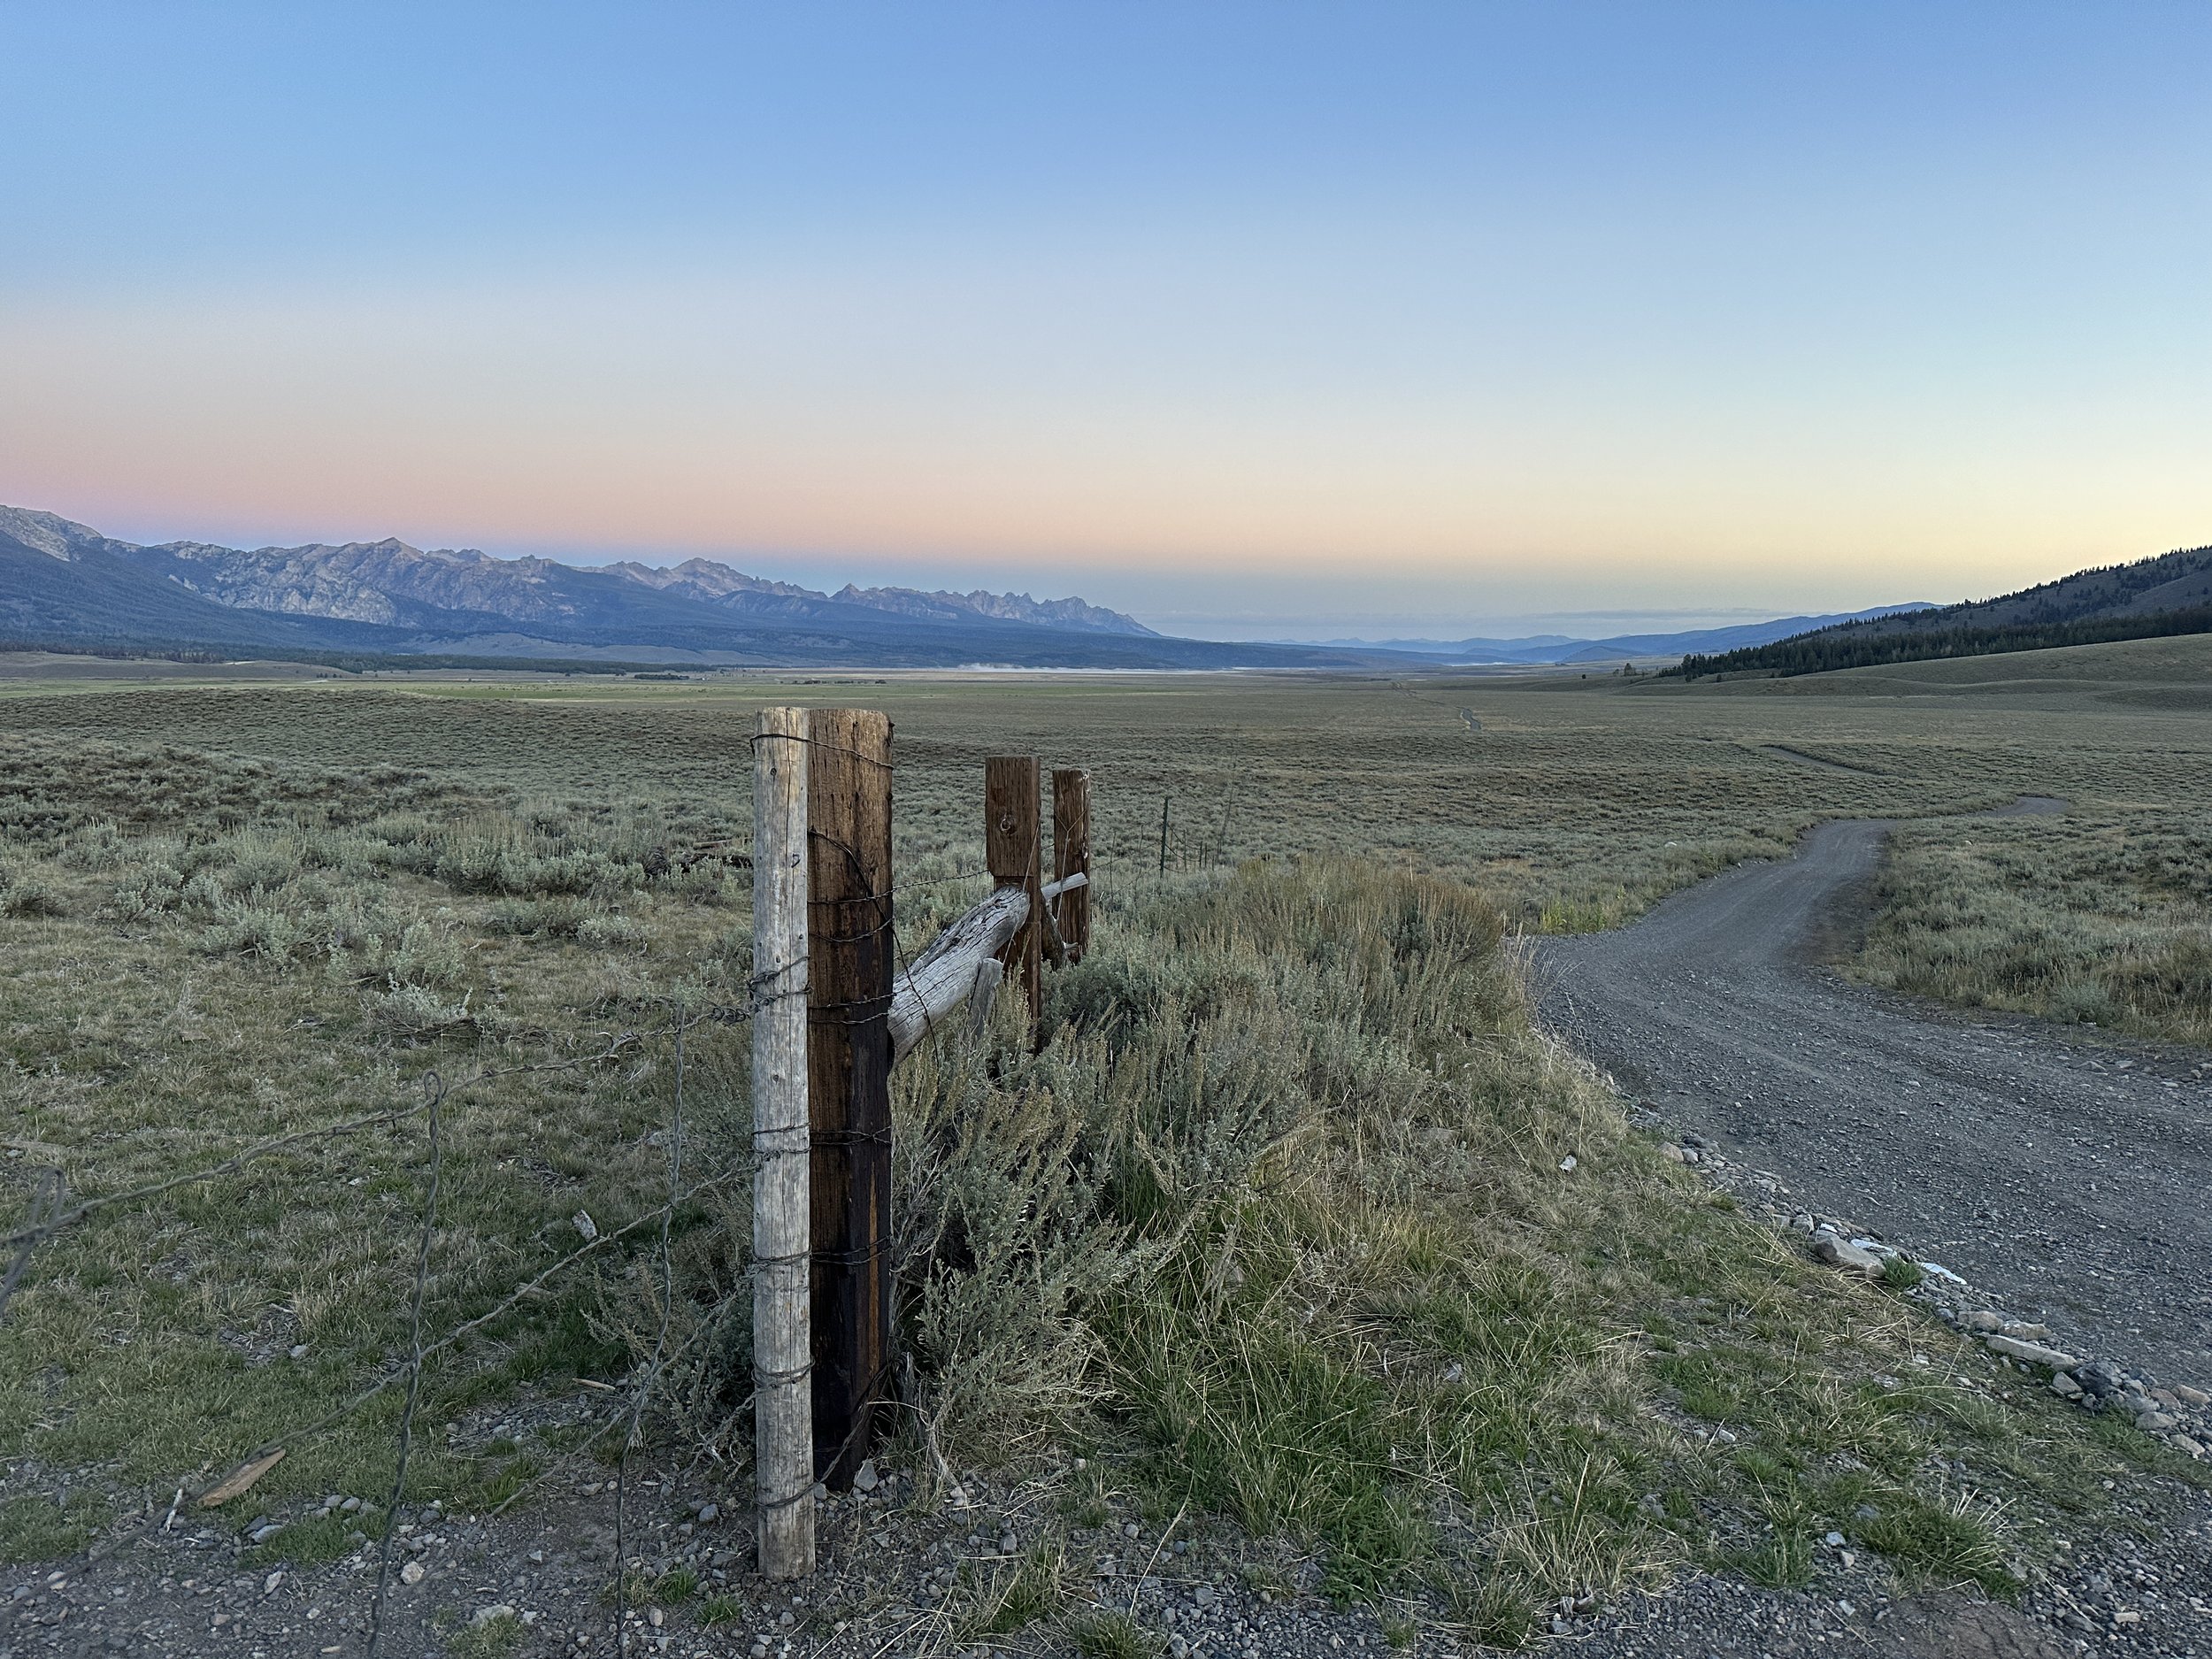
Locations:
(849, 1076)
(1014, 853)
(783, 1406)
(1072, 855)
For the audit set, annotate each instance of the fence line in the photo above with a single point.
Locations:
(782, 993)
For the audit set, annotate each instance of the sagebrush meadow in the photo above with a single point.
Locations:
(1276, 1228)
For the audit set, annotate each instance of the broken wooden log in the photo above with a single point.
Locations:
(944, 975)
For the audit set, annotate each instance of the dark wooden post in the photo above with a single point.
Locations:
(1011, 848)
(849, 1076)
(1072, 855)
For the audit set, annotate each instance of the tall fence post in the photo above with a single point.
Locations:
(849, 1076)
(1071, 856)
(783, 1407)
(1013, 852)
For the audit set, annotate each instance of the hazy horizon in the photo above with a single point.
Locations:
(1250, 321)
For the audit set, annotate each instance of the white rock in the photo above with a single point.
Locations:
(484, 1615)
(583, 1223)
(1567, 1163)
(2033, 1353)
(411, 1573)
(866, 1479)
(1849, 1257)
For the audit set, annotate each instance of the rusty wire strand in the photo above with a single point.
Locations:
(434, 1091)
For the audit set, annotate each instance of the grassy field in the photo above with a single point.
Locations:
(1277, 1226)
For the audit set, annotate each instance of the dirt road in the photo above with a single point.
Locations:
(2069, 1175)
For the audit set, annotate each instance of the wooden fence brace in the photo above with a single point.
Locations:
(1012, 849)
(783, 1406)
(1163, 800)
(962, 962)
(1072, 857)
(849, 1075)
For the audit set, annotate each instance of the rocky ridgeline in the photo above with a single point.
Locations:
(2177, 1413)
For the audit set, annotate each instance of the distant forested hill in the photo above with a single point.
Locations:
(2170, 594)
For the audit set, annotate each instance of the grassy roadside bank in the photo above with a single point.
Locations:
(2100, 917)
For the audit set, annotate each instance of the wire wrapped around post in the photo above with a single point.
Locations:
(783, 1403)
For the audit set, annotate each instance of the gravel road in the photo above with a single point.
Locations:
(2064, 1170)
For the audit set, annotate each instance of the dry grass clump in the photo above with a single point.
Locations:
(1284, 1219)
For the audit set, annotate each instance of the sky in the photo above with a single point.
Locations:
(1277, 320)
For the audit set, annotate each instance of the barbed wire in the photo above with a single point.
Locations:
(37, 1233)
(435, 1089)
(660, 1346)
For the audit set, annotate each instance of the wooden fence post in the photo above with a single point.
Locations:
(1072, 855)
(1012, 849)
(783, 1407)
(849, 1076)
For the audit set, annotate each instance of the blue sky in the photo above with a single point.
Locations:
(1276, 320)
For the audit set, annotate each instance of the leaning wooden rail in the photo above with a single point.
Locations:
(944, 975)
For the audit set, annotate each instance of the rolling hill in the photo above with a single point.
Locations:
(2170, 594)
(66, 586)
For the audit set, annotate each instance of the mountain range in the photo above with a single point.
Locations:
(64, 585)
(2169, 593)
(1536, 648)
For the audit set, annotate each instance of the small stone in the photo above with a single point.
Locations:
(709, 1512)
(2189, 1397)
(1983, 1319)
(1691, 1154)
(2033, 1353)
(654, 1618)
(1455, 1372)
(1129, 1529)
(351, 1506)
(411, 1573)
(299, 1350)
(1567, 1163)
(583, 1224)
(484, 1615)
(2100, 1377)
(1849, 1257)
(1850, 1559)
(2027, 1332)
(1834, 1540)
(2065, 1387)
(1009, 1544)
(2182, 1443)
(2127, 1616)
(1803, 1221)
(1846, 1608)
(269, 1584)
(865, 1479)
(263, 1534)
(1670, 1151)
(2153, 1422)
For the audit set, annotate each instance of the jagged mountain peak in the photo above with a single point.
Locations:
(49, 532)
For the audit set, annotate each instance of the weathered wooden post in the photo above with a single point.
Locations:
(849, 1076)
(1071, 856)
(783, 1407)
(1012, 849)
